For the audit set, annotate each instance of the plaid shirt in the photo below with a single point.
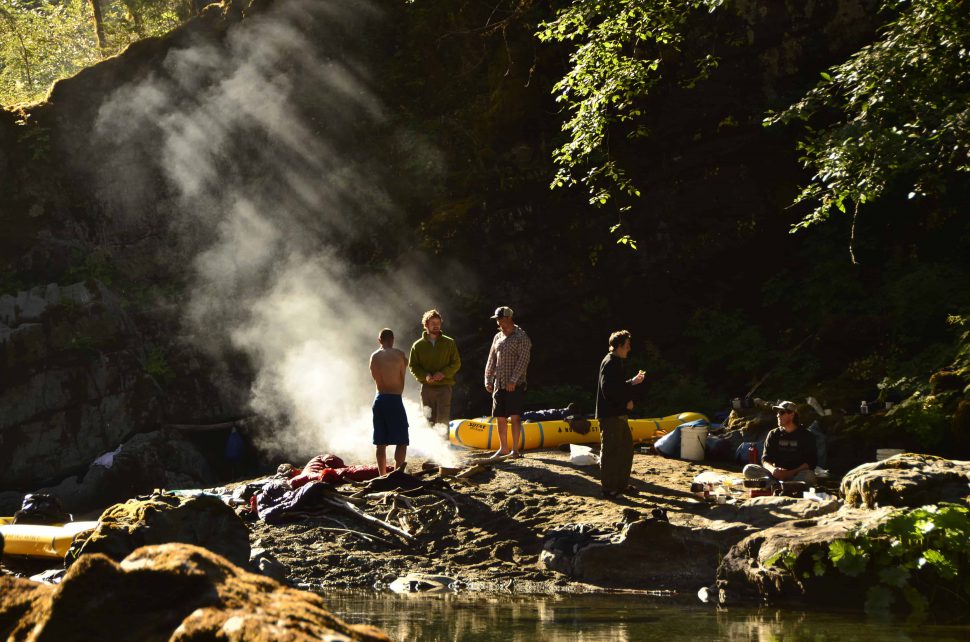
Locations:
(508, 358)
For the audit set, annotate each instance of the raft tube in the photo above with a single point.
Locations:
(483, 432)
(38, 540)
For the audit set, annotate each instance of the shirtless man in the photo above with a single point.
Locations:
(387, 366)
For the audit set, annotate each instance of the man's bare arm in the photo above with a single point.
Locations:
(375, 372)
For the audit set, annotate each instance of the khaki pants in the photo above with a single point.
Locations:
(755, 471)
(437, 400)
(616, 453)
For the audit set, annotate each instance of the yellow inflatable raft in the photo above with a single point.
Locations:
(483, 432)
(36, 540)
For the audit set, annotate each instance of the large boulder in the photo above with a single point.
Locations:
(20, 600)
(202, 521)
(173, 592)
(836, 559)
(907, 480)
(656, 553)
(752, 569)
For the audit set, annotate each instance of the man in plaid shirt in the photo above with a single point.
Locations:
(505, 379)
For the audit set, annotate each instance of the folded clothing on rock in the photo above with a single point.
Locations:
(276, 504)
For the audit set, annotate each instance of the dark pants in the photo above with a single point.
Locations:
(616, 453)
(508, 404)
(437, 403)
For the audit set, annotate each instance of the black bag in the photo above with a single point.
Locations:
(41, 508)
(579, 425)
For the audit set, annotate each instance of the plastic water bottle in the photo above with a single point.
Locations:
(863, 408)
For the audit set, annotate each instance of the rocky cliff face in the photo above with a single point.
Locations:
(73, 381)
(90, 350)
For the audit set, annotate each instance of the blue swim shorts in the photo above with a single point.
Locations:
(390, 420)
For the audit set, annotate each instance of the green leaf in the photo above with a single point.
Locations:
(847, 558)
(782, 559)
(945, 567)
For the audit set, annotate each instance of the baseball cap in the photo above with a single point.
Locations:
(502, 312)
(785, 405)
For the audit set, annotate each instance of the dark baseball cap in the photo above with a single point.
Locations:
(502, 312)
(787, 406)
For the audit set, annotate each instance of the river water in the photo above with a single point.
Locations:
(609, 618)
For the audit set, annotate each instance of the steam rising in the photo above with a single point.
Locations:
(266, 196)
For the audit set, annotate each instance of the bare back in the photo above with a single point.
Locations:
(387, 366)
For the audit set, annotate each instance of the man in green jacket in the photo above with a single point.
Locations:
(434, 361)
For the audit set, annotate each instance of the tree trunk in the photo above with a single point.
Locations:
(98, 24)
(23, 48)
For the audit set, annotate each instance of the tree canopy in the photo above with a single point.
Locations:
(42, 41)
(616, 61)
(895, 111)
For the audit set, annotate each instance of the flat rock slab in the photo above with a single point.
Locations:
(171, 592)
(684, 555)
(909, 480)
(764, 512)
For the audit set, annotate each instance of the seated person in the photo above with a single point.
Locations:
(790, 453)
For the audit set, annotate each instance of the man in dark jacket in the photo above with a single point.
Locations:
(790, 453)
(614, 400)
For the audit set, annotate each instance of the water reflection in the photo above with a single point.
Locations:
(612, 618)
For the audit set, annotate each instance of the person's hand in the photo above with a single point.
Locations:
(428, 379)
(510, 387)
(489, 387)
(637, 380)
(438, 376)
(629, 405)
(782, 474)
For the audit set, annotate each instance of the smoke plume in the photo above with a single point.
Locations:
(265, 141)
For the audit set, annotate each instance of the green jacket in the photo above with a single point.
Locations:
(441, 357)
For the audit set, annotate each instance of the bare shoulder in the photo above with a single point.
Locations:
(401, 354)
